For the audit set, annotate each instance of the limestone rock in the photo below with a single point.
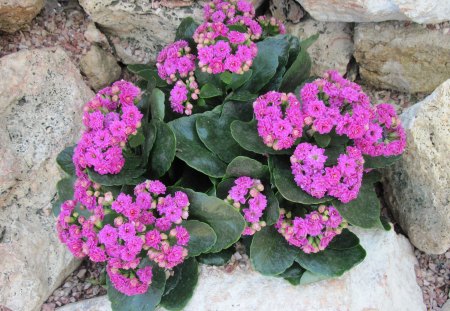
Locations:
(93, 35)
(388, 271)
(332, 50)
(137, 29)
(15, 14)
(406, 57)
(42, 94)
(100, 67)
(417, 186)
(286, 10)
(419, 11)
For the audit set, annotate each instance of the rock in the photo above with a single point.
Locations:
(137, 30)
(42, 96)
(446, 306)
(100, 67)
(417, 186)
(419, 11)
(16, 14)
(406, 57)
(388, 271)
(332, 50)
(93, 35)
(286, 10)
(258, 3)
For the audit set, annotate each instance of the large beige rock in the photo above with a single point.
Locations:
(286, 10)
(384, 281)
(332, 50)
(419, 11)
(418, 186)
(100, 67)
(138, 30)
(15, 14)
(406, 57)
(42, 94)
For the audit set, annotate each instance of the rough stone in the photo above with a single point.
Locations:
(417, 186)
(16, 14)
(93, 35)
(402, 56)
(419, 11)
(388, 271)
(286, 10)
(100, 67)
(42, 93)
(332, 50)
(138, 29)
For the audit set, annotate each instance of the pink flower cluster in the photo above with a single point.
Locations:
(182, 95)
(271, 26)
(120, 230)
(175, 61)
(336, 103)
(247, 194)
(342, 181)
(110, 118)
(280, 120)
(385, 136)
(313, 232)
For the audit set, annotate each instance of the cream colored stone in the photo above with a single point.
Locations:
(16, 14)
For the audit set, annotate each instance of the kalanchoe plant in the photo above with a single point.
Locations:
(226, 138)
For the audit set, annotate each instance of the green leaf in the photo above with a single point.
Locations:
(270, 254)
(226, 77)
(65, 162)
(202, 237)
(157, 106)
(284, 181)
(136, 140)
(144, 302)
(364, 211)
(345, 240)
(151, 75)
(217, 259)
(150, 132)
(209, 90)
(237, 80)
(163, 151)
(272, 211)
(305, 44)
(180, 295)
(238, 27)
(331, 262)
(223, 187)
(246, 134)
(65, 191)
(293, 274)
(135, 68)
(294, 49)
(242, 96)
(186, 29)
(192, 151)
(333, 152)
(125, 177)
(205, 77)
(243, 166)
(226, 221)
(379, 162)
(265, 64)
(309, 277)
(322, 140)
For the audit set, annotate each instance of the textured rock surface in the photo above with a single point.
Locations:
(388, 271)
(15, 14)
(410, 58)
(332, 50)
(100, 67)
(286, 10)
(136, 29)
(418, 185)
(419, 11)
(41, 94)
(93, 35)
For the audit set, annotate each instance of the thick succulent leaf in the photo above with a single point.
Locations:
(217, 259)
(242, 96)
(125, 177)
(202, 237)
(144, 302)
(284, 181)
(293, 274)
(164, 149)
(272, 211)
(135, 68)
(322, 140)
(237, 80)
(180, 295)
(186, 29)
(246, 134)
(65, 191)
(150, 132)
(243, 166)
(309, 277)
(64, 160)
(223, 187)
(345, 240)
(331, 262)
(210, 90)
(157, 106)
(148, 73)
(192, 151)
(136, 140)
(379, 162)
(226, 221)
(270, 254)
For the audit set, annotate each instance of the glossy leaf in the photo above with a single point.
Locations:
(180, 295)
(331, 262)
(242, 96)
(65, 191)
(270, 254)
(209, 90)
(64, 160)
(246, 134)
(223, 187)
(192, 151)
(272, 211)
(380, 162)
(217, 259)
(345, 240)
(163, 151)
(309, 277)
(202, 237)
(226, 221)
(226, 77)
(186, 29)
(237, 80)
(136, 140)
(293, 274)
(144, 302)
(150, 132)
(157, 106)
(125, 177)
(148, 74)
(243, 166)
(322, 140)
(135, 68)
(284, 181)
